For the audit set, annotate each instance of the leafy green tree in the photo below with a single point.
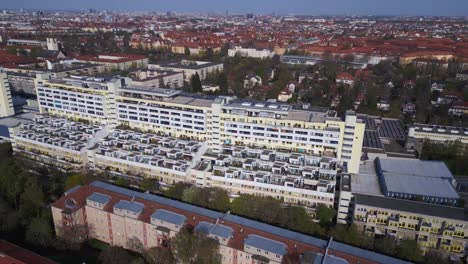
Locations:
(39, 232)
(148, 184)
(8, 217)
(195, 83)
(219, 199)
(194, 248)
(436, 257)
(122, 181)
(346, 234)
(326, 215)
(12, 181)
(32, 200)
(223, 84)
(159, 255)
(76, 179)
(187, 51)
(176, 191)
(410, 250)
(184, 246)
(386, 245)
(190, 195)
(115, 255)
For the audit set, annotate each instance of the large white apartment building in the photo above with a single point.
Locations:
(6, 101)
(217, 121)
(80, 98)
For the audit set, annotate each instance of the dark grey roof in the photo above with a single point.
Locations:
(99, 198)
(392, 128)
(313, 241)
(372, 140)
(411, 206)
(131, 206)
(169, 217)
(215, 229)
(266, 244)
(368, 121)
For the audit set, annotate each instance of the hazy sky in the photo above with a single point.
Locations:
(308, 7)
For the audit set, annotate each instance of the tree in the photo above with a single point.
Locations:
(149, 184)
(39, 232)
(71, 237)
(196, 83)
(223, 84)
(135, 244)
(184, 247)
(76, 179)
(187, 51)
(325, 215)
(346, 234)
(195, 248)
(32, 200)
(386, 245)
(436, 257)
(176, 191)
(8, 217)
(190, 195)
(115, 255)
(159, 255)
(410, 250)
(122, 181)
(219, 199)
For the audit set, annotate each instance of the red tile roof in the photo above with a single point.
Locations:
(345, 76)
(13, 254)
(240, 231)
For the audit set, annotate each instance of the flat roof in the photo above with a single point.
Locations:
(366, 181)
(411, 206)
(424, 186)
(414, 167)
(417, 177)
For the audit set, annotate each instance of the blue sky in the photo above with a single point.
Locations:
(307, 7)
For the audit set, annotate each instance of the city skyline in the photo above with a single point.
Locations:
(297, 7)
